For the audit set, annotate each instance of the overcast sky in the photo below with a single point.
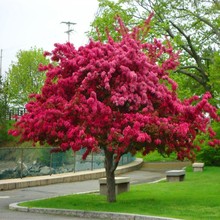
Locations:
(28, 23)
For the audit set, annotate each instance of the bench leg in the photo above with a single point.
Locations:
(175, 178)
(197, 169)
(103, 189)
(119, 188)
(123, 187)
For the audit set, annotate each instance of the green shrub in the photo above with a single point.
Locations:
(52, 159)
(44, 156)
(5, 125)
(210, 155)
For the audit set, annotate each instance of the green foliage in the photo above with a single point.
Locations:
(186, 87)
(52, 159)
(3, 131)
(156, 157)
(215, 77)
(106, 23)
(3, 108)
(23, 77)
(193, 199)
(210, 155)
(45, 156)
(4, 136)
(192, 27)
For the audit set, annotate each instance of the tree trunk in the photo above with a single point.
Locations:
(110, 167)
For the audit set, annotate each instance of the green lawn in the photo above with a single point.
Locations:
(198, 197)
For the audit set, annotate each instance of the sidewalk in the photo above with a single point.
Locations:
(137, 172)
(137, 176)
(9, 184)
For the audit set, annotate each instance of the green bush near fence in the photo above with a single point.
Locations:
(44, 156)
(52, 159)
(5, 125)
(210, 155)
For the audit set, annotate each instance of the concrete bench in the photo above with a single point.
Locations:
(122, 184)
(175, 175)
(198, 167)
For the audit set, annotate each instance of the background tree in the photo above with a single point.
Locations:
(192, 26)
(3, 108)
(115, 97)
(23, 77)
(215, 77)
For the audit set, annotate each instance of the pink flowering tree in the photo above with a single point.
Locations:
(115, 97)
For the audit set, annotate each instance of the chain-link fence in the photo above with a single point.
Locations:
(38, 161)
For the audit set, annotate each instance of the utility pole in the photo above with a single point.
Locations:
(68, 23)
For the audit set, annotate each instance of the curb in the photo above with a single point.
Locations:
(86, 214)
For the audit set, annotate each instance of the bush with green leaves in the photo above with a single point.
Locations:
(4, 136)
(210, 156)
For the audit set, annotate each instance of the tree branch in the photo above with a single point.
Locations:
(193, 52)
(200, 80)
(170, 33)
(206, 21)
(191, 67)
(194, 76)
(115, 165)
(188, 46)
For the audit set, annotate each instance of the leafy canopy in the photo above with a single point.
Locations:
(24, 77)
(116, 96)
(3, 108)
(192, 26)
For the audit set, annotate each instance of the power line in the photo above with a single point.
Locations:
(68, 23)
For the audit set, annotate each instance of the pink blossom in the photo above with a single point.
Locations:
(141, 138)
(214, 142)
(157, 141)
(182, 129)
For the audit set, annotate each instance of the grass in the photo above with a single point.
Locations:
(195, 198)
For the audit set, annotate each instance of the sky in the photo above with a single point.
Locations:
(29, 23)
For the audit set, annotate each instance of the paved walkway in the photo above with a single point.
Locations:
(39, 192)
(18, 195)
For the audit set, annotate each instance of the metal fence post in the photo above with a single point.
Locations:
(92, 162)
(22, 160)
(51, 163)
(74, 161)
